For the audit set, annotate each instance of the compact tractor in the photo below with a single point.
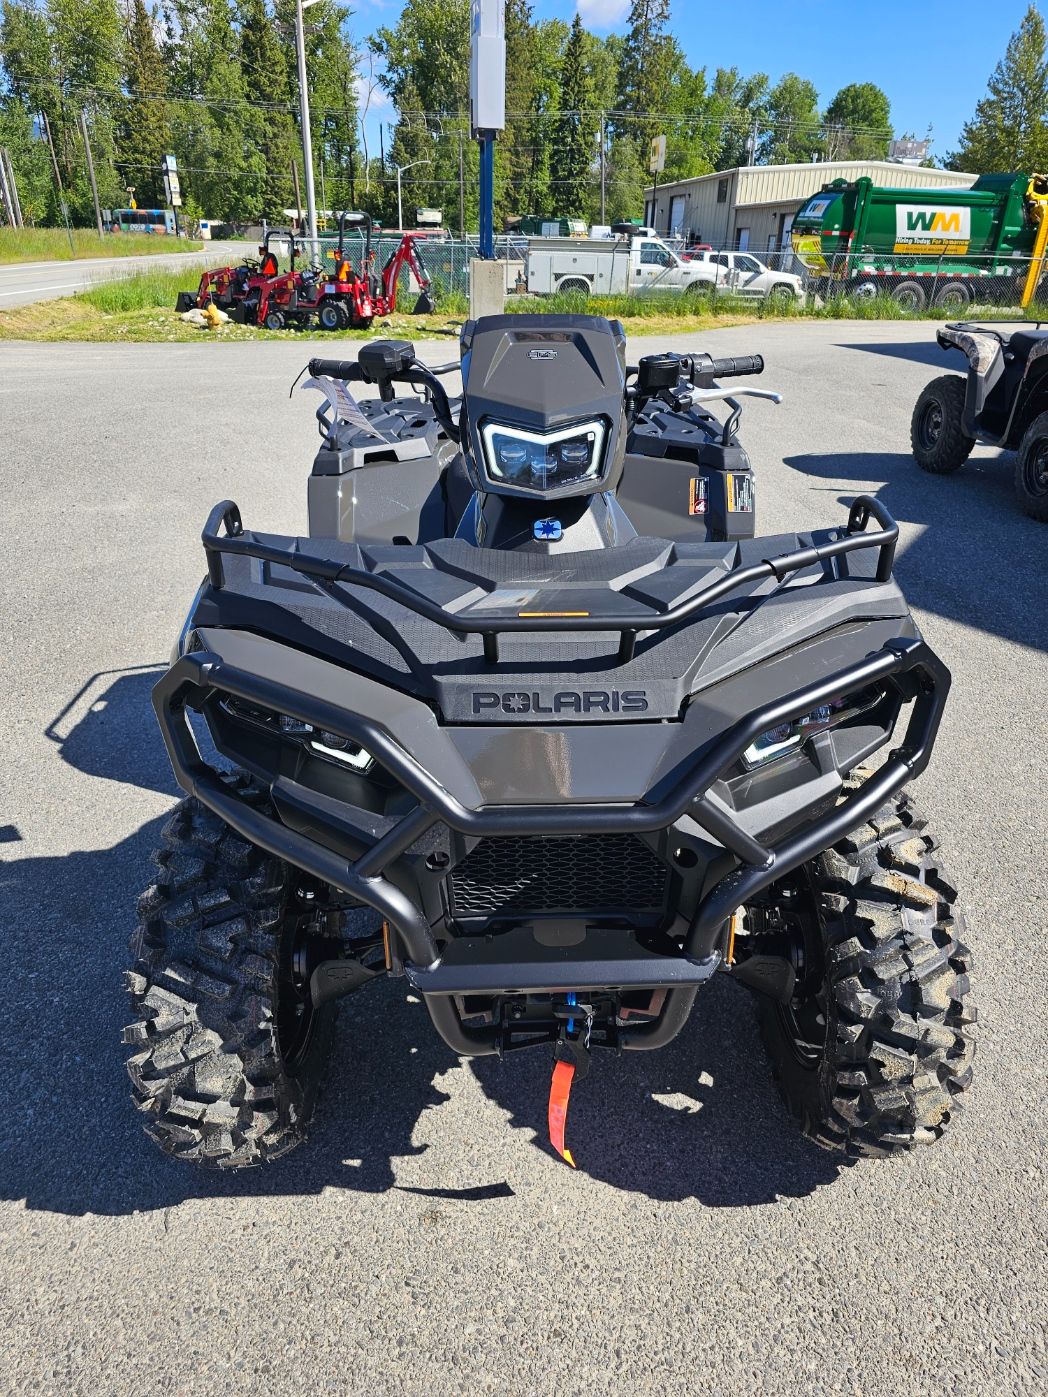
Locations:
(240, 285)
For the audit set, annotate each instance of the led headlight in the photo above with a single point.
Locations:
(787, 737)
(325, 744)
(543, 461)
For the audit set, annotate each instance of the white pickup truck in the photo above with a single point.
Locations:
(604, 267)
(609, 266)
(742, 274)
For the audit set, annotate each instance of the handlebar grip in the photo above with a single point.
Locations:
(735, 368)
(346, 369)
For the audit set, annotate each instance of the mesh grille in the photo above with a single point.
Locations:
(606, 874)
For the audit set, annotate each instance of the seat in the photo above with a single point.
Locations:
(1022, 342)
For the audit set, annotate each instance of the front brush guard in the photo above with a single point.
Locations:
(909, 664)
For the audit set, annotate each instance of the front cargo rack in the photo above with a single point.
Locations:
(224, 533)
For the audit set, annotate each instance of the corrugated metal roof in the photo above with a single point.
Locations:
(778, 184)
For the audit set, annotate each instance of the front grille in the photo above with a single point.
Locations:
(605, 875)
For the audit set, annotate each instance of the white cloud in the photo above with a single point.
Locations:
(603, 14)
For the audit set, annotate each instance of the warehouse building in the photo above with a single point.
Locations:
(753, 206)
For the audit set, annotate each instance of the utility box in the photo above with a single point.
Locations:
(487, 65)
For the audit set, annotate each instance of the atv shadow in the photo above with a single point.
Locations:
(700, 1119)
(977, 559)
(919, 352)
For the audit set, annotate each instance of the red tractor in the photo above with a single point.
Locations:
(346, 298)
(232, 286)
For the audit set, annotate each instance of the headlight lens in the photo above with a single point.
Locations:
(324, 744)
(543, 461)
(787, 737)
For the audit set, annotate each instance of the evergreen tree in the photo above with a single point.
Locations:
(646, 68)
(572, 163)
(144, 132)
(270, 131)
(207, 110)
(1008, 130)
(857, 123)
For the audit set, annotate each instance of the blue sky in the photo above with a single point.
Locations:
(932, 59)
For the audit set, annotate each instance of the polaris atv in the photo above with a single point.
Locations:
(1003, 402)
(574, 770)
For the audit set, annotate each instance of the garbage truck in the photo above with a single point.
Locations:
(943, 247)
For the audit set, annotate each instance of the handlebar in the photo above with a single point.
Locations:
(346, 369)
(702, 366)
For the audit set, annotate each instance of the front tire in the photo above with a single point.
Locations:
(229, 1051)
(275, 320)
(1031, 470)
(937, 436)
(874, 1049)
(330, 316)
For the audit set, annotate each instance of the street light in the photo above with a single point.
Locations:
(307, 137)
(400, 170)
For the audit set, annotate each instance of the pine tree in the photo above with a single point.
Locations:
(572, 162)
(144, 133)
(1008, 130)
(270, 131)
(209, 124)
(645, 71)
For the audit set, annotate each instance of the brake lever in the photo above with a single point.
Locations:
(708, 395)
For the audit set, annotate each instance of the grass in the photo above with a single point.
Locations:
(52, 245)
(139, 307)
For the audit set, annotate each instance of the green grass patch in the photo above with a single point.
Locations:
(154, 289)
(140, 307)
(52, 245)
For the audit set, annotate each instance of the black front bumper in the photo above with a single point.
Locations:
(593, 962)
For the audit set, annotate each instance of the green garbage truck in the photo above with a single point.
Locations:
(943, 247)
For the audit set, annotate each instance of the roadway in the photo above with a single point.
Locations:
(424, 1241)
(22, 283)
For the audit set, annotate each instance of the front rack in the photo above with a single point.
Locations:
(325, 573)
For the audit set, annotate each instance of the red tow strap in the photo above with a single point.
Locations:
(559, 1094)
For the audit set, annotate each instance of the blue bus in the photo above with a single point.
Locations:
(143, 221)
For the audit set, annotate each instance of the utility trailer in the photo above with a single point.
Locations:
(944, 247)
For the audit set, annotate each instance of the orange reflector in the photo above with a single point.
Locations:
(548, 614)
(385, 945)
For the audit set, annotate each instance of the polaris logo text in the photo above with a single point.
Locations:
(562, 701)
(542, 354)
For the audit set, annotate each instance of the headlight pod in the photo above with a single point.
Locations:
(323, 744)
(543, 462)
(787, 737)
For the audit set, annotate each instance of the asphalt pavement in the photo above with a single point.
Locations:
(425, 1241)
(21, 283)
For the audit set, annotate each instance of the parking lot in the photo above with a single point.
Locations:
(425, 1240)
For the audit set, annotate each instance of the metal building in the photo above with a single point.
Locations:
(753, 206)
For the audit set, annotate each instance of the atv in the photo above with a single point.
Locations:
(1003, 402)
(479, 733)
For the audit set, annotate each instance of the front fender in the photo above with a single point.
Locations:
(985, 355)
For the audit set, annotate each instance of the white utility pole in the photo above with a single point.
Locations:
(400, 205)
(303, 108)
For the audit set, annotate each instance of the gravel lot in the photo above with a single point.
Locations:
(425, 1241)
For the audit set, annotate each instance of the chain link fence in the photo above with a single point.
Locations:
(946, 281)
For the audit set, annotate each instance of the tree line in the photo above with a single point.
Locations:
(214, 82)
